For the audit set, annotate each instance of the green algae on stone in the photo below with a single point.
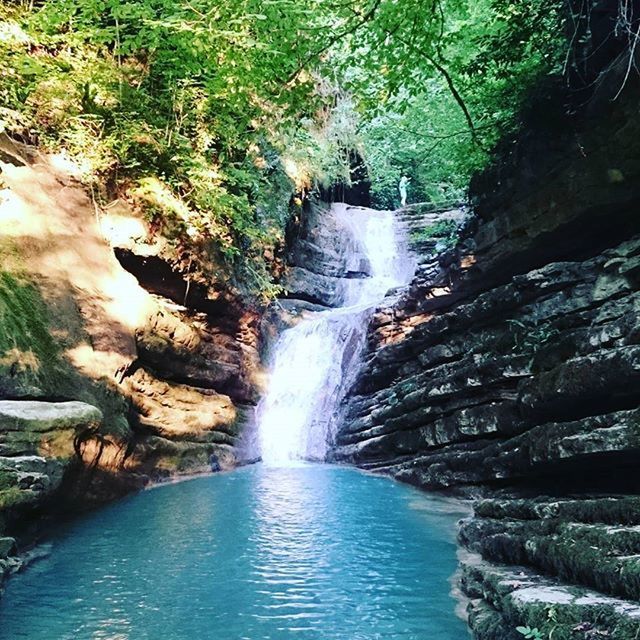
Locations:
(615, 510)
(520, 597)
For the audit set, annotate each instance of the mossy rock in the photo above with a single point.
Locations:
(618, 510)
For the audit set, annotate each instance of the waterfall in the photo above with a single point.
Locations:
(313, 360)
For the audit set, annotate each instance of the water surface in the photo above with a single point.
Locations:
(309, 552)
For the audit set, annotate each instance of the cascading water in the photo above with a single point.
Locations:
(313, 360)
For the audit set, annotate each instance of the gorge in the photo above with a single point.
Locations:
(412, 421)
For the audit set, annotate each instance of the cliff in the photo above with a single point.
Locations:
(510, 370)
(115, 368)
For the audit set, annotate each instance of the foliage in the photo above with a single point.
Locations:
(173, 105)
(209, 116)
(530, 633)
(452, 77)
(26, 345)
(444, 232)
(531, 336)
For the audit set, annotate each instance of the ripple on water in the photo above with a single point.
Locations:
(308, 553)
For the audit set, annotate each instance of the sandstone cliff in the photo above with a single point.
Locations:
(116, 365)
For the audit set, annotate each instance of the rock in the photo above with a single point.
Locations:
(37, 444)
(509, 369)
(182, 412)
(45, 416)
(7, 547)
(316, 288)
(47, 428)
(161, 458)
(322, 258)
(320, 245)
(187, 348)
(511, 596)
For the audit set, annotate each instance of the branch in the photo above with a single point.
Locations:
(447, 136)
(450, 83)
(456, 96)
(366, 17)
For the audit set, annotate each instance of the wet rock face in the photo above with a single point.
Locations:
(323, 259)
(538, 372)
(510, 367)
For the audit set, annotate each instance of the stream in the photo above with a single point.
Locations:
(281, 550)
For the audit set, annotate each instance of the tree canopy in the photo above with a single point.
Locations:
(208, 116)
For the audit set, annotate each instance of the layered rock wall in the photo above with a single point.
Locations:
(510, 369)
(117, 366)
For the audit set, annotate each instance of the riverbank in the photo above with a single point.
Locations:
(508, 370)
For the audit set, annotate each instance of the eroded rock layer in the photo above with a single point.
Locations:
(118, 365)
(510, 368)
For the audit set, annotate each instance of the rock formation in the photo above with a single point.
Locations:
(510, 370)
(115, 368)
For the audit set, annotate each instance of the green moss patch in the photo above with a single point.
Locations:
(27, 349)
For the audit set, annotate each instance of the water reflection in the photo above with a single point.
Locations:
(310, 552)
(289, 547)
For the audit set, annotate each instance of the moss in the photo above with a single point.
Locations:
(119, 119)
(591, 556)
(7, 480)
(575, 618)
(615, 510)
(576, 622)
(444, 232)
(488, 624)
(13, 497)
(26, 346)
(596, 556)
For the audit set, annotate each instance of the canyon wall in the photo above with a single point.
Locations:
(119, 364)
(510, 370)
(115, 368)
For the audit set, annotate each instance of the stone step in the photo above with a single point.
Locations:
(599, 556)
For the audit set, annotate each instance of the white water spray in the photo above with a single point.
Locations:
(313, 360)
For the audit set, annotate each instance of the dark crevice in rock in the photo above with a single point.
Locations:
(577, 240)
(41, 398)
(12, 159)
(157, 276)
(587, 474)
(579, 408)
(218, 436)
(305, 297)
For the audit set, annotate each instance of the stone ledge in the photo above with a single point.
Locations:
(37, 415)
(511, 596)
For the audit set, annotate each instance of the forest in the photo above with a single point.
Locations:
(215, 120)
(295, 251)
